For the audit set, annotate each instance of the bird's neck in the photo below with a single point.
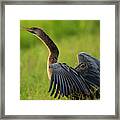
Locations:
(53, 50)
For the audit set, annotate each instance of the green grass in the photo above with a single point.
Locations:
(71, 37)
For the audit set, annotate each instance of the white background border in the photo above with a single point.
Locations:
(13, 15)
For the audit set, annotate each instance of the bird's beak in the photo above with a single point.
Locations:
(30, 30)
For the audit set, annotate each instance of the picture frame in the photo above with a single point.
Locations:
(116, 3)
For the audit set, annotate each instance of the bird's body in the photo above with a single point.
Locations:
(82, 82)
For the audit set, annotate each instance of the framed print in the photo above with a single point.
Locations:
(60, 59)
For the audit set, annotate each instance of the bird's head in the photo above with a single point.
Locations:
(35, 30)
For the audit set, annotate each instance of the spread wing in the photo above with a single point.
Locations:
(92, 77)
(91, 73)
(65, 81)
(91, 57)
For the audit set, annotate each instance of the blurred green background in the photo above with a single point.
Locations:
(71, 37)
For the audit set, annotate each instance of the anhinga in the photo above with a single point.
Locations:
(82, 82)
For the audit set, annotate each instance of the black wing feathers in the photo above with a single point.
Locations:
(51, 83)
(65, 81)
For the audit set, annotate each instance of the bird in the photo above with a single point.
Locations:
(79, 83)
